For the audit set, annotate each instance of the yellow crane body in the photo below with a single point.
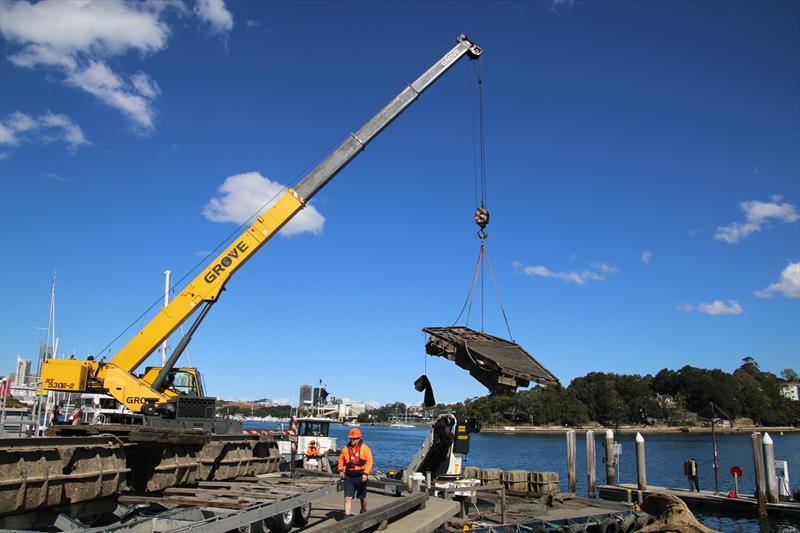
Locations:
(116, 377)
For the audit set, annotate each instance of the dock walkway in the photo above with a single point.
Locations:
(327, 516)
(705, 499)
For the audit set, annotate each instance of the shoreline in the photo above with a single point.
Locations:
(632, 430)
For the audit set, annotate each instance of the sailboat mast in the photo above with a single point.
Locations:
(166, 303)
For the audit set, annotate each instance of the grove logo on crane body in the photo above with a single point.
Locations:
(136, 400)
(225, 263)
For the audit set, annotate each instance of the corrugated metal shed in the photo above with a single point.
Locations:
(500, 365)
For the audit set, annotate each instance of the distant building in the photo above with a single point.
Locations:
(305, 396)
(320, 395)
(791, 390)
(45, 352)
(357, 408)
(24, 394)
(22, 375)
(665, 400)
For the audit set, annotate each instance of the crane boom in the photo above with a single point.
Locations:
(117, 376)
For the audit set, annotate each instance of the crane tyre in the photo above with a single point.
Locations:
(302, 515)
(280, 523)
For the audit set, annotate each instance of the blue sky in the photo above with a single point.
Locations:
(643, 176)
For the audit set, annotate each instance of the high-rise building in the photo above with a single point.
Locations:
(320, 395)
(22, 376)
(45, 353)
(305, 395)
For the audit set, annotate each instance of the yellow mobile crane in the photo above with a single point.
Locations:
(151, 393)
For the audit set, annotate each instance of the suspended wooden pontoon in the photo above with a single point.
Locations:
(501, 365)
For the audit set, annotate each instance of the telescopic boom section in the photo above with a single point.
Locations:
(210, 283)
(117, 375)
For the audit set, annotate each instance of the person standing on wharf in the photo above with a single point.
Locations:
(355, 465)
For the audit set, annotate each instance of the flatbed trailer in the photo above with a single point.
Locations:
(249, 503)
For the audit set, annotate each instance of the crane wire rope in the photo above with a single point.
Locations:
(481, 211)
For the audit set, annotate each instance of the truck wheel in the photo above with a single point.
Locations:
(281, 523)
(302, 515)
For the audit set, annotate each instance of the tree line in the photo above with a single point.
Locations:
(671, 397)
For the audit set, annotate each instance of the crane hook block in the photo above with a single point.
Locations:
(482, 217)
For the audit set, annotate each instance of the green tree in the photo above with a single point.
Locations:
(790, 374)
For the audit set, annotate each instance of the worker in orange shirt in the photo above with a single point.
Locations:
(355, 465)
(312, 452)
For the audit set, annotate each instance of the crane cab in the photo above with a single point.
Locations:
(180, 381)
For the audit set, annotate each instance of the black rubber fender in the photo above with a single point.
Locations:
(609, 525)
(641, 521)
(628, 524)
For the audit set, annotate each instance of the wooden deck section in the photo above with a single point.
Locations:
(705, 500)
(327, 514)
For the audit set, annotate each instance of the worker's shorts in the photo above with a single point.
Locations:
(353, 486)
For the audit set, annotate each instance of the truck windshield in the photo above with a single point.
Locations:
(313, 429)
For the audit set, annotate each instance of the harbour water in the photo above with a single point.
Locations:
(393, 447)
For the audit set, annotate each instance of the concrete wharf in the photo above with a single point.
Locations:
(703, 500)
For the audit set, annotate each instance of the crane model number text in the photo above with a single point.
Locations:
(225, 262)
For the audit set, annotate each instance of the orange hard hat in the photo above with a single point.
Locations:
(354, 433)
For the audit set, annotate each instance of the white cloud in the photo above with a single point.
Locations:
(215, 14)
(48, 127)
(605, 267)
(243, 195)
(717, 307)
(788, 285)
(647, 256)
(134, 98)
(106, 27)
(580, 278)
(75, 38)
(54, 176)
(557, 5)
(757, 215)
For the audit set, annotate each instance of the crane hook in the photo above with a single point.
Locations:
(482, 219)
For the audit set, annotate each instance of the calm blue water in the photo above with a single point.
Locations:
(393, 447)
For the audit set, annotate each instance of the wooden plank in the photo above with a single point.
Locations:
(214, 502)
(436, 513)
(255, 486)
(178, 500)
(299, 485)
(376, 516)
(253, 495)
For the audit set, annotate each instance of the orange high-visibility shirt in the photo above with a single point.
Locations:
(358, 454)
